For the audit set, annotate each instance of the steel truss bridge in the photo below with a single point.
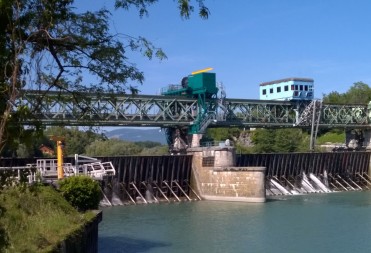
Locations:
(64, 108)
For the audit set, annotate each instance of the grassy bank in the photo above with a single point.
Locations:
(36, 219)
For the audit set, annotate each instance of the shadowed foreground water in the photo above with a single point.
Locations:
(336, 222)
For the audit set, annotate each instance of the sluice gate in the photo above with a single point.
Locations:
(298, 173)
(148, 179)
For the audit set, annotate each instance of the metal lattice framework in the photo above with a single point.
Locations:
(54, 108)
(58, 108)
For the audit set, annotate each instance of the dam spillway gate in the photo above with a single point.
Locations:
(298, 173)
(148, 179)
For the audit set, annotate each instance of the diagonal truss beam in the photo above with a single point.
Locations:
(58, 108)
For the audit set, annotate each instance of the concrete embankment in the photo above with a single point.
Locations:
(84, 240)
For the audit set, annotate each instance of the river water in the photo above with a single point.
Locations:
(334, 222)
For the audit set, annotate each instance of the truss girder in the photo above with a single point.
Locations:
(111, 110)
(344, 115)
(55, 108)
(256, 113)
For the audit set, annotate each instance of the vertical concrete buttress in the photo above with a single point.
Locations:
(215, 177)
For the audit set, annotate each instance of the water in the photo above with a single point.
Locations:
(334, 222)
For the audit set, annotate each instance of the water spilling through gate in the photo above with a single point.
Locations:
(299, 173)
(148, 179)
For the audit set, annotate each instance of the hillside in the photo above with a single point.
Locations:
(138, 134)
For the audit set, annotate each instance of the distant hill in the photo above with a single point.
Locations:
(138, 134)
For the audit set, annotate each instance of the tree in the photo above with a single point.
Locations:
(75, 141)
(47, 45)
(82, 192)
(359, 93)
(223, 133)
(112, 147)
(279, 140)
(264, 140)
(287, 140)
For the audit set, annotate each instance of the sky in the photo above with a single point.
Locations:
(248, 42)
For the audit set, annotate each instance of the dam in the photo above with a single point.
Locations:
(171, 178)
(158, 179)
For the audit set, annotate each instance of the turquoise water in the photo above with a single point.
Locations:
(336, 222)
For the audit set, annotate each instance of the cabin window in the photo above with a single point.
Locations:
(264, 92)
(278, 89)
(292, 87)
(296, 87)
(306, 87)
(286, 88)
(271, 90)
(296, 93)
(301, 87)
(310, 87)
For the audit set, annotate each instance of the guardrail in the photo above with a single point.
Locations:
(222, 144)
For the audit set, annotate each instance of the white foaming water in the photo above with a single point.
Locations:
(105, 202)
(116, 201)
(325, 179)
(319, 183)
(280, 187)
(308, 187)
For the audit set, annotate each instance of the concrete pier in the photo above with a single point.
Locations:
(216, 177)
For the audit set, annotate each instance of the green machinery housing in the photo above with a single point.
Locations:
(201, 86)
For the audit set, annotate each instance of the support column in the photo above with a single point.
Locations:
(367, 139)
(215, 176)
(357, 139)
(196, 140)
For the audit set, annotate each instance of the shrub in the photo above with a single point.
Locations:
(82, 192)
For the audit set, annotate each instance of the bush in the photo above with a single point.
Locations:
(82, 192)
(36, 219)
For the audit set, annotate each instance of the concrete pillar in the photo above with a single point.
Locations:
(223, 181)
(225, 157)
(367, 139)
(358, 139)
(196, 140)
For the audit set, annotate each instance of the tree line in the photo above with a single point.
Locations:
(86, 142)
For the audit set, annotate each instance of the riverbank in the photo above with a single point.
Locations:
(37, 219)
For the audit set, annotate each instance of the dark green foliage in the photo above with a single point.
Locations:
(36, 218)
(147, 144)
(4, 238)
(185, 7)
(279, 140)
(158, 150)
(359, 93)
(264, 141)
(333, 136)
(75, 140)
(287, 140)
(82, 192)
(222, 133)
(112, 147)
(261, 140)
(50, 45)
